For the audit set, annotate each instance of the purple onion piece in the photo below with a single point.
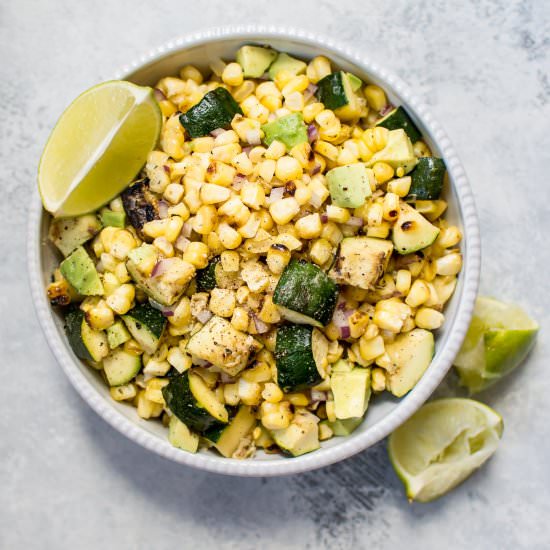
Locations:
(345, 332)
(159, 94)
(312, 133)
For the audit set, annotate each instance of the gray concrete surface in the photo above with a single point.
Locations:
(67, 480)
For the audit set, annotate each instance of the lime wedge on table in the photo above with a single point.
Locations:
(442, 444)
(97, 147)
(499, 338)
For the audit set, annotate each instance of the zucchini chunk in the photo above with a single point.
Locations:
(109, 218)
(79, 270)
(215, 110)
(289, 129)
(214, 276)
(140, 205)
(349, 185)
(285, 62)
(412, 231)
(295, 357)
(361, 261)
(227, 438)
(194, 403)
(301, 437)
(305, 294)
(120, 367)
(351, 392)
(335, 91)
(427, 179)
(398, 152)
(255, 60)
(146, 325)
(70, 233)
(117, 334)
(222, 345)
(411, 354)
(87, 343)
(181, 436)
(399, 118)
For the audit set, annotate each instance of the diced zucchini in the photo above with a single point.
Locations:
(87, 343)
(399, 118)
(289, 129)
(349, 185)
(112, 219)
(336, 92)
(295, 358)
(117, 334)
(255, 60)
(361, 261)
(79, 270)
(427, 179)
(351, 392)
(140, 205)
(412, 231)
(411, 354)
(398, 152)
(227, 438)
(181, 436)
(194, 403)
(222, 345)
(355, 82)
(70, 233)
(285, 62)
(302, 436)
(206, 278)
(146, 325)
(215, 110)
(305, 294)
(121, 367)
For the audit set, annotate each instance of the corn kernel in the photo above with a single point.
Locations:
(123, 393)
(403, 281)
(275, 150)
(309, 227)
(326, 149)
(428, 318)
(253, 195)
(277, 258)
(288, 169)
(451, 264)
(337, 214)
(211, 193)
(272, 393)
(100, 316)
(226, 153)
(321, 251)
(418, 294)
(267, 170)
(311, 111)
(196, 253)
(283, 210)
(205, 220)
(229, 237)
(400, 186)
(378, 379)
(233, 74)
(120, 301)
(371, 348)
(376, 97)
(243, 164)
(383, 172)
(240, 319)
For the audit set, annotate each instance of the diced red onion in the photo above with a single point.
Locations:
(186, 230)
(200, 362)
(271, 117)
(218, 131)
(355, 221)
(166, 168)
(345, 332)
(167, 311)
(261, 327)
(238, 181)
(161, 267)
(324, 218)
(247, 149)
(275, 195)
(348, 313)
(265, 76)
(159, 94)
(253, 137)
(316, 169)
(309, 91)
(226, 379)
(386, 109)
(100, 268)
(182, 243)
(163, 209)
(312, 133)
(317, 396)
(204, 316)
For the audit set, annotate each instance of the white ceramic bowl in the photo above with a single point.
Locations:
(386, 413)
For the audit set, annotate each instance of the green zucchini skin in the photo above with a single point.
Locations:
(214, 433)
(427, 179)
(73, 328)
(215, 110)
(296, 368)
(331, 92)
(147, 315)
(181, 401)
(399, 118)
(206, 278)
(304, 288)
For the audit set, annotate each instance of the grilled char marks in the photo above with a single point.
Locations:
(140, 205)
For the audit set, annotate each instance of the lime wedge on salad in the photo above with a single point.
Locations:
(442, 444)
(97, 147)
(499, 338)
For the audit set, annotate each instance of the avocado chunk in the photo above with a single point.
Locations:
(399, 118)
(285, 62)
(411, 354)
(349, 185)
(398, 152)
(109, 218)
(117, 334)
(289, 129)
(70, 233)
(361, 261)
(80, 272)
(255, 60)
(351, 392)
(412, 231)
(344, 427)
(302, 436)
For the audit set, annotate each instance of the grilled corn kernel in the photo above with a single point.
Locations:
(100, 316)
(243, 164)
(189, 72)
(332, 233)
(164, 246)
(326, 149)
(277, 258)
(421, 149)
(212, 194)
(378, 379)
(371, 348)
(451, 264)
(229, 237)
(318, 68)
(123, 393)
(240, 318)
(266, 170)
(283, 210)
(337, 214)
(249, 392)
(294, 102)
(418, 294)
(220, 173)
(253, 195)
(226, 153)
(132, 347)
(302, 194)
(222, 302)
(230, 261)
(272, 393)
(233, 74)
(243, 91)
(321, 251)
(173, 193)
(429, 318)
(311, 111)
(182, 313)
(383, 172)
(403, 281)
(153, 390)
(297, 399)
(120, 301)
(380, 232)
(178, 359)
(319, 191)
(400, 186)
(205, 220)
(390, 206)
(376, 97)
(196, 253)
(288, 169)
(269, 312)
(146, 408)
(358, 322)
(309, 227)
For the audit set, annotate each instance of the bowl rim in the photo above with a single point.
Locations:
(442, 361)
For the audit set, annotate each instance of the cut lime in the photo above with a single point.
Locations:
(97, 147)
(499, 338)
(442, 444)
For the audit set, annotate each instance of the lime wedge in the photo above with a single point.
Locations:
(499, 338)
(442, 444)
(97, 147)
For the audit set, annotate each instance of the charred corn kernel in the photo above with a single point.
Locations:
(252, 108)
(243, 91)
(311, 111)
(240, 318)
(100, 316)
(243, 126)
(108, 261)
(266, 170)
(358, 322)
(229, 237)
(319, 191)
(107, 237)
(403, 281)
(178, 359)
(132, 347)
(243, 164)
(376, 97)
(418, 294)
(123, 393)
(390, 206)
(383, 172)
(451, 264)
(277, 258)
(167, 108)
(337, 214)
(182, 313)
(221, 174)
(371, 348)
(326, 149)
(251, 227)
(309, 227)
(226, 153)
(147, 409)
(164, 246)
(294, 102)
(269, 312)
(421, 149)
(230, 261)
(205, 220)
(288, 240)
(170, 86)
(380, 232)
(272, 393)
(153, 390)
(253, 195)
(318, 68)
(213, 194)
(196, 253)
(249, 392)
(279, 419)
(222, 302)
(266, 224)
(400, 186)
(320, 252)
(155, 228)
(173, 193)
(233, 74)
(120, 301)
(375, 138)
(302, 194)
(387, 320)
(288, 169)
(332, 233)
(429, 318)
(283, 210)
(275, 150)
(378, 379)
(448, 237)
(111, 282)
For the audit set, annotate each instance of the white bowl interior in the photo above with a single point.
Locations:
(382, 406)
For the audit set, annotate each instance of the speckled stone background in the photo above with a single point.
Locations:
(67, 480)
